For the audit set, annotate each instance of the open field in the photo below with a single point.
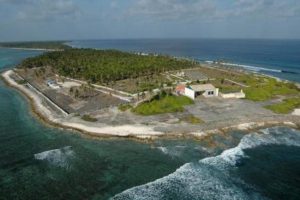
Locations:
(218, 72)
(71, 96)
(226, 86)
(195, 75)
(140, 84)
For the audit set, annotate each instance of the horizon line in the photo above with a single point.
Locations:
(148, 38)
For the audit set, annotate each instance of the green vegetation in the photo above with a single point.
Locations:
(124, 107)
(192, 119)
(228, 88)
(36, 45)
(141, 84)
(163, 103)
(82, 92)
(225, 86)
(262, 88)
(21, 82)
(105, 66)
(285, 107)
(88, 118)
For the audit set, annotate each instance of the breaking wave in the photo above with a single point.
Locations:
(210, 178)
(253, 68)
(57, 157)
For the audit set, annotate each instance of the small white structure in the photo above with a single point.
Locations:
(180, 74)
(233, 95)
(296, 112)
(207, 90)
(52, 84)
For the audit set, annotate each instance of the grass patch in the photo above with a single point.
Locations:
(124, 107)
(262, 89)
(225, 86)
(88, 118)
(229, 89)
(192, 119)
(285, 107)
(258, 94)
(163, 104)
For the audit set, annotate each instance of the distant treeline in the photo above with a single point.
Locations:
(104, 66)
(36, 45)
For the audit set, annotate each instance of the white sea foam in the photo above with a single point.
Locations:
(57, 157)
(163, 149)
(253, 68)
(175, 151)
(210, 177)
(209, 61)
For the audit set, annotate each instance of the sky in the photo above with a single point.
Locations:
(30, 20)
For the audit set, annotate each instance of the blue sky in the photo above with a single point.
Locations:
(101, 19)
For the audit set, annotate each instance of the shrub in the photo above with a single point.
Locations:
(88, 118)
(21, 82)
(192, 119)
(124, 107)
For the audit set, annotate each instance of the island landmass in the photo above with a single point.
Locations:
(114, 93)
(37, 45)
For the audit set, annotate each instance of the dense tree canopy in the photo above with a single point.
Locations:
(36, 45)
(105, 65)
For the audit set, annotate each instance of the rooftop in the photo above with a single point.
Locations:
(180, 87)
(202, 87)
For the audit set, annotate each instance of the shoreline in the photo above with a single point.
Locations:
(46, 116)
(136, 131)
(246, 69)
(30, 49)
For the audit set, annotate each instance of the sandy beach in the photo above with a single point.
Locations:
(140, 129)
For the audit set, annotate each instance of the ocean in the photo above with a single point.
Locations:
(280, 58)
(41, 162)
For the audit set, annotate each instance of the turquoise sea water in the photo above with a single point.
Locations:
(40, 162)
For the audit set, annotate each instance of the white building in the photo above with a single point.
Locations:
(207, 90)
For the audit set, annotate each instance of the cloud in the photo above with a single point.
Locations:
(173, 9)
(213, 9)
(15, 1)
(43, 9)
(269, 8)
